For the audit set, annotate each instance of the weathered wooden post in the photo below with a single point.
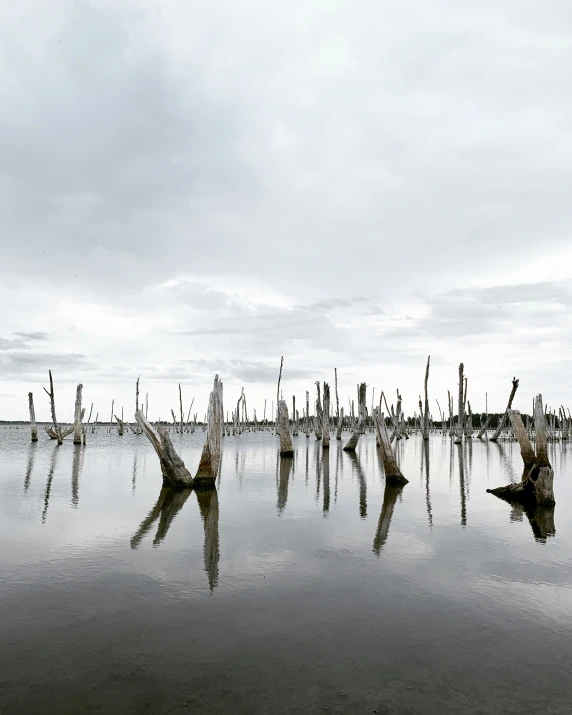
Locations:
(326, 417)
(393, 474)
(33, 426)
(111, 418)
(307, 413)
(56, 428)
(502, 423)
(77, 430)
(211, 456)
(538, 477)
(426, 415)
(353, 440)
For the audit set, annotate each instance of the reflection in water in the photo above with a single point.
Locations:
(362, 484)
(168, 505)
(390, 496)
(318, 473)
(462, 485)
(30, 465)
(541, 520)
(77, 465)
(283, 479)
(326, 466)
(425, 462)
(49, 483)
(307, 458)
(208, 505)
(134, 473)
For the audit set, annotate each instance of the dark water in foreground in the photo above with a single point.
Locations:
(298, 587)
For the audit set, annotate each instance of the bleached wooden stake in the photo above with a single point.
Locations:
(77, 428)
(33, 426)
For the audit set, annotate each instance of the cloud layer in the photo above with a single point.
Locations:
(189, 188)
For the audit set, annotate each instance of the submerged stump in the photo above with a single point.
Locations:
(536, 485)
(211, 456)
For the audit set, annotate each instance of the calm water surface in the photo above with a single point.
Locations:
(299, 586)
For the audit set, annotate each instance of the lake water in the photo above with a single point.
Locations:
(299, 586)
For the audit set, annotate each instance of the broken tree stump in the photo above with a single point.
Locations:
(340, 423)
(536, 485)
(502, 424)
(358, 429)
(33, 426)
(173, 469)
(425, 429)
(326, 417)
(461, 411)
(209, 465)
(393, 474)
(56, 428)
(77, 427)
(286, 449)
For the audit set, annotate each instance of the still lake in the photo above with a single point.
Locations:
(299, 586)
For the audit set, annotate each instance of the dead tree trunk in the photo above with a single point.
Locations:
(33, 426)
(483, 429)
(353, 440)
(173, 469)
(426, 413)
(469, 423)
(211, 456)
(56, 427)
(502, 424)
(77, 416)
(461, 415)
(393, 474)
(120, 425)
(326, 417)
(307, 413)
(319, 415)
(340, 423)
(111, 418)
(538, 477)
(286, 449)
(337, 400)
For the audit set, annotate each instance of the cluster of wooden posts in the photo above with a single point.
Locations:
(536, 483)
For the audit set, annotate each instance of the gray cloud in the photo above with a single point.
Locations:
(184, 191)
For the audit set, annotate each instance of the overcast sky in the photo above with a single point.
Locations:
(198, 187)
